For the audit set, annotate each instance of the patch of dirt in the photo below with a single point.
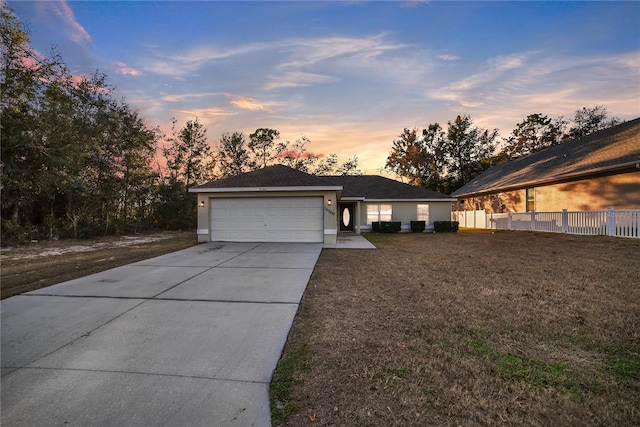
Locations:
(473, 328)
(40, 264)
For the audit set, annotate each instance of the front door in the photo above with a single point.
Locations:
(346, 217)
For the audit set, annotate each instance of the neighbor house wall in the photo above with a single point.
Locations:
(620, 191)
(330, 218)
(513, 201)
(617, 191)
(405, 212)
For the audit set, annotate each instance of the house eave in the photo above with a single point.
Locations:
(262, 189)
(412, 200)
(620, 168)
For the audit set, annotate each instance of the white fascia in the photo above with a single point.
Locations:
(261, 189)
(411, 200)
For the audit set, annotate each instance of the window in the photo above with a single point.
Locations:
(531, 199)
(385, 212)
(423, 213)
(377, 212)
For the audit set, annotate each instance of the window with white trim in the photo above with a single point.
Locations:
(423, 213)
(531, 199)
(378, 212)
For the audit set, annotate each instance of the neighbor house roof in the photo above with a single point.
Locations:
(378, 188)
(609, 151)
(356, 187)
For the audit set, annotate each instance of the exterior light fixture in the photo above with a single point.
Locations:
(202, 203)
(329, 202)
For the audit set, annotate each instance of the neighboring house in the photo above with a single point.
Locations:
(595, 172)
(281, 204)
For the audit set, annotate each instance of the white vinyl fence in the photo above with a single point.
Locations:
(610, 222)
(470, 219)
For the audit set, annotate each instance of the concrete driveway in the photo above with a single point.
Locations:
(189, 338)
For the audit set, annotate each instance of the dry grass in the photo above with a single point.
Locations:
(471, 328)
(23, 269)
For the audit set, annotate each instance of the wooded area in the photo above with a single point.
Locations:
(77, 161)
(445, 161)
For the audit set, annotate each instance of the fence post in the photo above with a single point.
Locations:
(509, 221)
(533, 221)
(565, 221)
(611, 222)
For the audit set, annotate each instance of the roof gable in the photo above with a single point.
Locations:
(607, 150)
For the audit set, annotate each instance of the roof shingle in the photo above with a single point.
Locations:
(374, 187)
(604, 150)
(271, 176)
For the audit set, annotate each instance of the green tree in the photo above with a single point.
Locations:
(536, 132)
(73, 160)
(418, 157)
(22, 85)
(233, 154)
(350, 166)
(262, 144)
(589, 120)
(190, 162)
(467, 148)
(189, 156)
(296, 156)
(439, 160)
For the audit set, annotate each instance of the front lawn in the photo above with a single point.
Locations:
(472, 328)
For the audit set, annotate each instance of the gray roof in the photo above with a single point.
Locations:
(271, 176)
(367, 187)
(612, 150)
(374, 187)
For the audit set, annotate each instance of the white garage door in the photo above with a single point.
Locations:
(269, 219)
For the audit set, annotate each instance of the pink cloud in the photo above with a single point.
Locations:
(127, 71)
(206, 112)
(248, 104)
(28, 62)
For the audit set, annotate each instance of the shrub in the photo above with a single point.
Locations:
(445, 226)
(386, 226)
(418, 226)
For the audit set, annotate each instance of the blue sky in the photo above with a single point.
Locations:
(349, 75)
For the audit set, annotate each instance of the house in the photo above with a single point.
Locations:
(281, 204)
(595, 172)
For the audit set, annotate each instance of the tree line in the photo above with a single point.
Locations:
(76, 161)
(445, 160)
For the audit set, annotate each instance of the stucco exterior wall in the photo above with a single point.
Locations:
(620, 191)
(405, 212)
(330, 211)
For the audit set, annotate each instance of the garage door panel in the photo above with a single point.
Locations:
(278, 219)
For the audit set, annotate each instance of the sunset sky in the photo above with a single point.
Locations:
(349, 75)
